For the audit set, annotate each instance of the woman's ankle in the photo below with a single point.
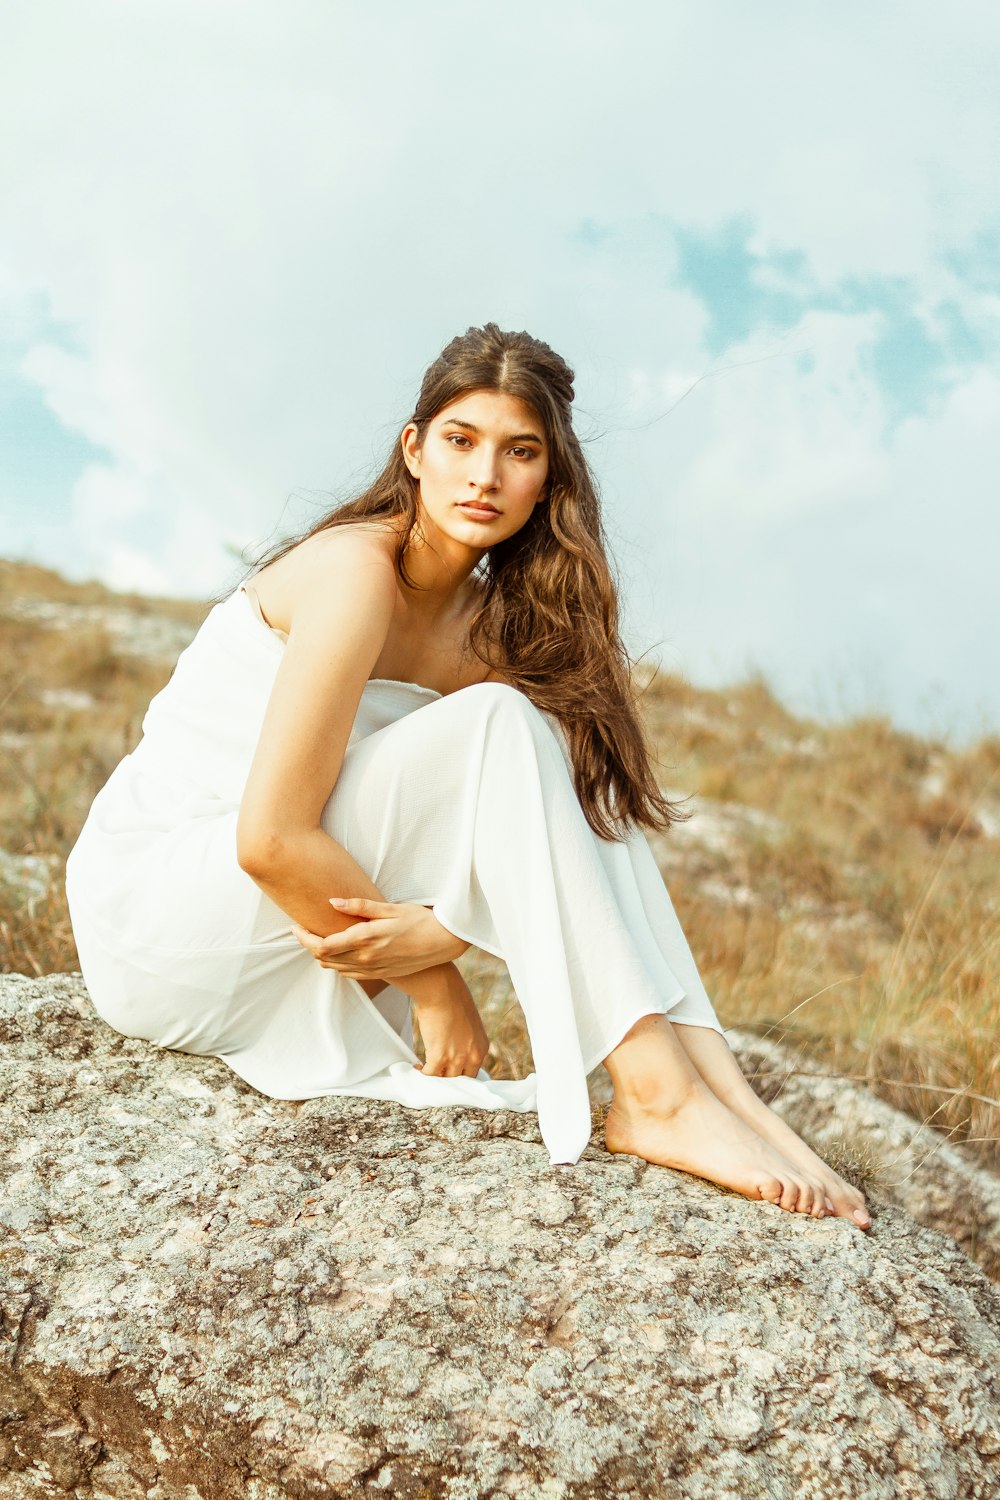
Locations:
(649, 1068)
(651, 1096)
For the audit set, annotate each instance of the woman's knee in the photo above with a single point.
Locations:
(503, 704)
(501, 698)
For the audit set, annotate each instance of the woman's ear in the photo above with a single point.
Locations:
(411, 449)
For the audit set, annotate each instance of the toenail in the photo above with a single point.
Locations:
(861, 1216)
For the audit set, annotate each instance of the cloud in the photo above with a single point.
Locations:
(255, 228)
(858, 573)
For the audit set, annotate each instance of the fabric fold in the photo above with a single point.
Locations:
(462, 802)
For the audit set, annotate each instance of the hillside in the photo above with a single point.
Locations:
(837, 882)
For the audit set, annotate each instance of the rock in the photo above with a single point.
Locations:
(27, 878)
(208, 1294)
(913, 1165)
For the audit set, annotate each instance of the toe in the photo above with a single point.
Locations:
(806, 1199)
(770, 1189)
(852, 1208)
(848, 1198)
(790, 1194)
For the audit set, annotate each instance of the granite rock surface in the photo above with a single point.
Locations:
(913, 1165)
(207, 1294)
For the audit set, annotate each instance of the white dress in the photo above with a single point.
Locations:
(462, 802)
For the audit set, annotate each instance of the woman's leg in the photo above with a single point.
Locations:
(467, 806)
(633, 873)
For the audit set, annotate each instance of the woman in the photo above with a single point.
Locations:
(413, 730)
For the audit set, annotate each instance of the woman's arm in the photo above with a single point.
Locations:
(345, 594)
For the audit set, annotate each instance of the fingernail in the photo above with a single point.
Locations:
(338, 901)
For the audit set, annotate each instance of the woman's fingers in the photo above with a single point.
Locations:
(449, 1068)
(332, 942)
(360, 906)
(384, 939)
(310, 940)
(348, 956)
(367, 950)
(356, 944)
(348, 964)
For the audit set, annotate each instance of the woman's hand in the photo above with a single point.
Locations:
(387, 939)
(454, 1037)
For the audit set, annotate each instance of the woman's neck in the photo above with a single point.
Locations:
(442, 570)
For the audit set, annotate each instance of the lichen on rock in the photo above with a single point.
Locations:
(207, 1294)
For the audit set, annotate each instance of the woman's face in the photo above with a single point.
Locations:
(485, 447)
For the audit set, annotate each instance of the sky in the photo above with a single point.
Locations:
(766, 237)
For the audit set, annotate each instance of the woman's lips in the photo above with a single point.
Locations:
(481, 512)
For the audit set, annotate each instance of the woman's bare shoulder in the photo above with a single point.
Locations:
(355, 539)
(310, 565)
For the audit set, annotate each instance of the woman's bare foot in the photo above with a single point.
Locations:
(712, 1057)
(848, 1202)
(696, 1133)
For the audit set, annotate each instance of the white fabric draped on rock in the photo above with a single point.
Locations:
(462, 802)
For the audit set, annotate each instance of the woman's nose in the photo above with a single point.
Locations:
(484, 471)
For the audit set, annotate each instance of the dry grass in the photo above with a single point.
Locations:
(71, 705)
(837, 882)
(873, 942)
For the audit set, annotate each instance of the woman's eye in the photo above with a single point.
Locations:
(459, 439)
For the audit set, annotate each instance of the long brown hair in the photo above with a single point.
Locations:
(549, 620)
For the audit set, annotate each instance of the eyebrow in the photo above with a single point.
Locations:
(514, 437)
